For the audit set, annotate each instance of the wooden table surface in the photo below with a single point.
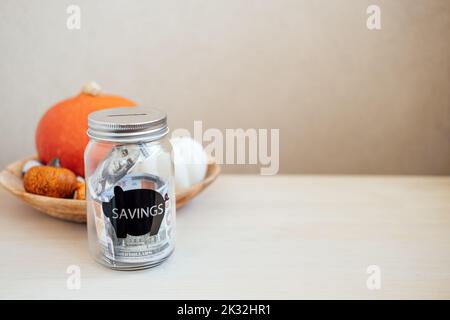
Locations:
(253, 237)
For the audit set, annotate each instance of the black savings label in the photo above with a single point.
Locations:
(135, 212)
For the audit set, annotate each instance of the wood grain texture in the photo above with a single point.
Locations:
(75, 210)
(254, 237)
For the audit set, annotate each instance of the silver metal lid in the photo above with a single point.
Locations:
(130, 124)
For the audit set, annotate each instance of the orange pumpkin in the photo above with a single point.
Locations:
(61, 132)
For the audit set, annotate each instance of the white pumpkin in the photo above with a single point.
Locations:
(191, 161)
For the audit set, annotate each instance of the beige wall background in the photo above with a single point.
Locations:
(346, 99)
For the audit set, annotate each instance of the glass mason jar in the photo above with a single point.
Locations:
(130, 188)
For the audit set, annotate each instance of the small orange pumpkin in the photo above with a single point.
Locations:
(50, 181)
(61, 132)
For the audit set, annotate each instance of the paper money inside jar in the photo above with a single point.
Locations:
(130, 188)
